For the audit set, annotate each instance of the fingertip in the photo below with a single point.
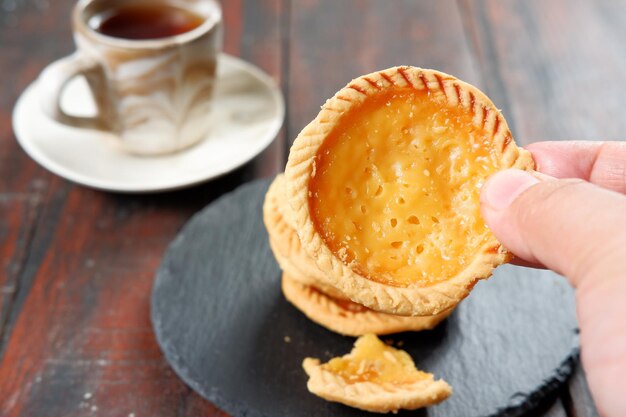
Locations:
(564, 159)
(497, 196)
(547, 157)
(502, 188)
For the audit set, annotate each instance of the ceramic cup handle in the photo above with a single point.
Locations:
(55, 78)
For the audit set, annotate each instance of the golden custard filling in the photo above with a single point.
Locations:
(373, 361)
(394, 191)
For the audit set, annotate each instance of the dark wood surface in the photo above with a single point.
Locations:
(77, 265)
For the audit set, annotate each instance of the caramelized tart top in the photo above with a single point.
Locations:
(371, 360)
(395, 188)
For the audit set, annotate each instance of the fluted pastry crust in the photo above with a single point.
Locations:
(348, 318)
(285, 243)
(411, 299)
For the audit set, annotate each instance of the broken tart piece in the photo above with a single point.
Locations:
(384, 187)
(375, 377)
(348, 318)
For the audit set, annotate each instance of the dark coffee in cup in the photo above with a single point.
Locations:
(145, 21)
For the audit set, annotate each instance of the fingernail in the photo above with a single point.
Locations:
(504, 187)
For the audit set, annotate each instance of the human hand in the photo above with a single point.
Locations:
(571, 218)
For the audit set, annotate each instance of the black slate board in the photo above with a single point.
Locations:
(224, 326)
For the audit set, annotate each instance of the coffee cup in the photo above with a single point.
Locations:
(150, 66)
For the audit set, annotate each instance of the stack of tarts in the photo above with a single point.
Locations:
(376, 223)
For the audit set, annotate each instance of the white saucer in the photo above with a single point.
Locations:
(248, 111)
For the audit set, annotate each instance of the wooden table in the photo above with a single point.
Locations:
(77, 265)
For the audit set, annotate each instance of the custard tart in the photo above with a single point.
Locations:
(348, 318)
(375, 377)
(384, 189)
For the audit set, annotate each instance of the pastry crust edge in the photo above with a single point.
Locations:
(285, 243)
(323, 310)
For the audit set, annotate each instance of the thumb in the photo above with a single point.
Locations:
(570, 226)
(579, 230)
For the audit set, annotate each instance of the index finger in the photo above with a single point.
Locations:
(601, 163)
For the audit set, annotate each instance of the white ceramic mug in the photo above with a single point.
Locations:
(153, 95)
